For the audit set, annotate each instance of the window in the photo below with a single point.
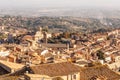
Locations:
(74, 76)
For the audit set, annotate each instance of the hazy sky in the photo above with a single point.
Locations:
(59, 3)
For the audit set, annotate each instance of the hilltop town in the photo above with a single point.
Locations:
(37, 54)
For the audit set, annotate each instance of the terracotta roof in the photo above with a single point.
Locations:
(27, 37)
(3, 58)
(101, 70)
(55, 45)
(6, 77)
(11, 65)
(55, 69)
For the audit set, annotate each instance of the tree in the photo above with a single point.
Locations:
(100, 55)
(45, 29)
(66, 35)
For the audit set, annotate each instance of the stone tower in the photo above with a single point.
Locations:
(45, 37)
(39, 34)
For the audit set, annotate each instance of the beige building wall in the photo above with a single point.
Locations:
(37, 77)
(74, 76)
(40, 79)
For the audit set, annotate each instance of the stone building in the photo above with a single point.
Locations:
(64, 70)
(39, 35)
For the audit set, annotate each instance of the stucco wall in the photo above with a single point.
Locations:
(71, 76)
(74, 76)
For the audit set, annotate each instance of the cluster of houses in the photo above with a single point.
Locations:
(84, 57)
(56, 71)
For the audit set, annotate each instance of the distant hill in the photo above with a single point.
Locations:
(61, 23)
